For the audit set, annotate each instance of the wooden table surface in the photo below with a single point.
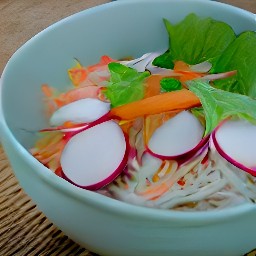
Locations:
(23, 229)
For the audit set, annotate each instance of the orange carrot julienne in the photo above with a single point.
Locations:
(185, 72)
(46, 90)
(152, 122)
(152, 85)
(176, 100)
(156, 191)
(77, 75)
(189, 76)
(181, 66)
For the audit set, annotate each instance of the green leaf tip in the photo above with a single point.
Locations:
(125, 85)
(219, 105)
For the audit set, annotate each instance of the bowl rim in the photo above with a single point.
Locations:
(97, 200)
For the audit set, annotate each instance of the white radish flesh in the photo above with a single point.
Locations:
(236, 140)
(177, 136)
(95, 157)
(80, 111)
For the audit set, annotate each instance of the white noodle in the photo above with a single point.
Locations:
(216, 185)
(201, 194)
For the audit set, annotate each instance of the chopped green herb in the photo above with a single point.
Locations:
(170, 84)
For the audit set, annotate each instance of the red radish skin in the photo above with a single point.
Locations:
(74, 172)
(80, 111)
(219, 149)
(78, 127)
(182, 158)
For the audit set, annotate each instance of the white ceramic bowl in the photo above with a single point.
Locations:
(103, 225)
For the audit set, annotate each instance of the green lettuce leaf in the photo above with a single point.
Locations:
(241, 56)
(125, 85)
(195, 40)
(219, 105)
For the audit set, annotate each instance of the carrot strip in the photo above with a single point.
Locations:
(77, 75)
(176, 100)
(152, 85)
(152, 122)
(186, 73)
(181, 66)
(47, 90)
(189, 76)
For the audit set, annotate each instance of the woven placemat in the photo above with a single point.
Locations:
(24, 230)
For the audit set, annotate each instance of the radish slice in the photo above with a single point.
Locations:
(180, 136)
(80, 111)
(95, 157)
(235, 141)
(65, 129)
(75, 128)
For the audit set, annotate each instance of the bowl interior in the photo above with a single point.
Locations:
(118, 29)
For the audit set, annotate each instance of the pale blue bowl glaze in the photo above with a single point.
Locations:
(103, 225)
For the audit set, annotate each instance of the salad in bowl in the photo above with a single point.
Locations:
(172, 130)
(134, 139)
